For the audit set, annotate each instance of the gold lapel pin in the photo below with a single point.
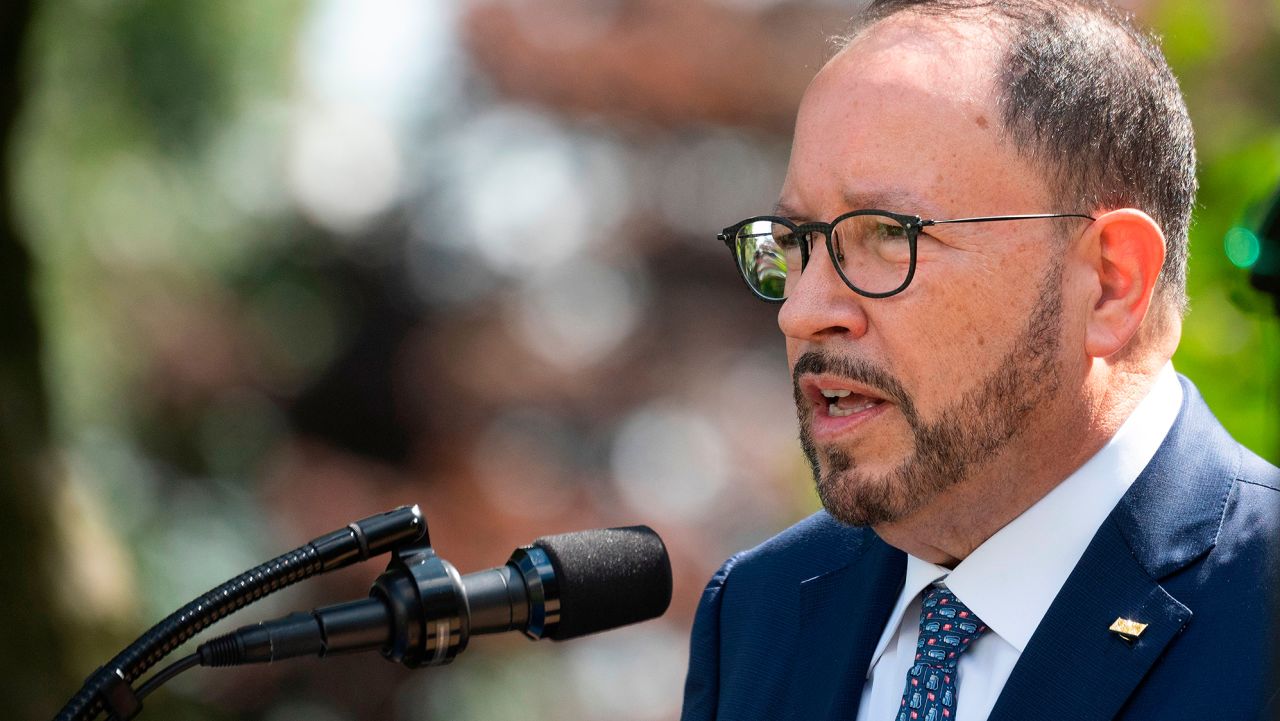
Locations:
(1128, 629)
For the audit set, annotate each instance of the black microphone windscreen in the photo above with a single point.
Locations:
(608, 578)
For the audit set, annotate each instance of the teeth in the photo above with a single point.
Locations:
(836, 394)
(836, 411)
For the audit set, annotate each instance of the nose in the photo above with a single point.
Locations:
(820, 305)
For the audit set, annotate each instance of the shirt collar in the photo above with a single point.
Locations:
(1012, 578)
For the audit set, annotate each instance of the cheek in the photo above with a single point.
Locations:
(955, 332)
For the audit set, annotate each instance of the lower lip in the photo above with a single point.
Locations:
(826, 427)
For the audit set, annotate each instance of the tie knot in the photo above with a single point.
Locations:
(947, 628)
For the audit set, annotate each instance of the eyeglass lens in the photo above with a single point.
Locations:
(872, 252)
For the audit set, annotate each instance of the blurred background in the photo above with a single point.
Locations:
(269, 267)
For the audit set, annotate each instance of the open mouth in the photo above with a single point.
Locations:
(835, 397)
(842, 402)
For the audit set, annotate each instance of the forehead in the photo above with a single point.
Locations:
(909, 111)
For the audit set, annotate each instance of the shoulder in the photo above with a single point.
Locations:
(1252, 510)
(1234, 505)
(754, 590)
(765, 581)
(1201, 490)
(1256, 471)
(813, 546)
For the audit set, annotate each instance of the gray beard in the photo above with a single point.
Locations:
(966, 433)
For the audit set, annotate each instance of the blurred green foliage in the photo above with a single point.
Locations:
(116, 164)
(1227, 56)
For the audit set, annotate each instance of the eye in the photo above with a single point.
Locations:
(891, 230)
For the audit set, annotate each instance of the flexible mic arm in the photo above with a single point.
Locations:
(109, 688)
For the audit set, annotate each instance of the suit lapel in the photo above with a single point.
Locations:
(841, 616)
(1074, 666)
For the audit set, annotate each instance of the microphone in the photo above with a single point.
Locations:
(422, 612)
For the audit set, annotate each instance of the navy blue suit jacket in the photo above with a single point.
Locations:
(786, 630)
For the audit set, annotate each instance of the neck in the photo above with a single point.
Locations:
(1066, 432)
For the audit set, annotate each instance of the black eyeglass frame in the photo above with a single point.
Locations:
(912, 223)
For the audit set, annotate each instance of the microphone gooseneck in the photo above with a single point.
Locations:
(109, 687)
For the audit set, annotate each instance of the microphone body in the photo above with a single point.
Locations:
(422, 612)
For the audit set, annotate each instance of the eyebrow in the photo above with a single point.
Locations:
(895, 200)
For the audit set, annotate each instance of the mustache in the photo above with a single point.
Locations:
(857, 370)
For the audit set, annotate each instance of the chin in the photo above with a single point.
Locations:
(858, 497)
(863, 495)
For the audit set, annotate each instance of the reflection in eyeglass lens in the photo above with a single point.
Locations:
(872, 251)
(762, 257)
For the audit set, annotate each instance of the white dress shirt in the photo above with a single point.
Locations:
(1012, 578)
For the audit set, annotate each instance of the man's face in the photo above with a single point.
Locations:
(950, 376)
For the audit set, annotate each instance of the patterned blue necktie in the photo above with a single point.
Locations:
(947, 628)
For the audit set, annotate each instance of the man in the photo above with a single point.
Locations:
(981, 245)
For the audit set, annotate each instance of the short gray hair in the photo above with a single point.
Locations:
(1090, 99)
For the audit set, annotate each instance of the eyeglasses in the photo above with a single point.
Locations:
(874, 251)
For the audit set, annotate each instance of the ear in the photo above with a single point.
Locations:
(1126, 252)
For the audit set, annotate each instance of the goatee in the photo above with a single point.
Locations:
(945, 450)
